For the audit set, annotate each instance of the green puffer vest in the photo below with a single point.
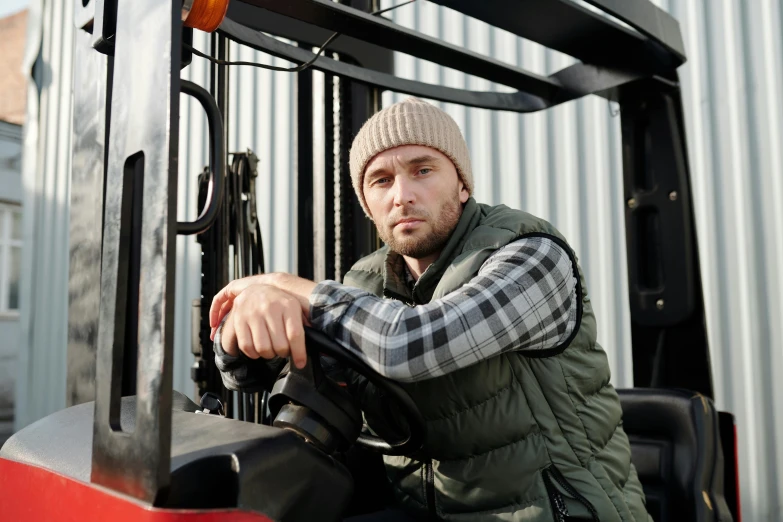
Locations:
(516, 437)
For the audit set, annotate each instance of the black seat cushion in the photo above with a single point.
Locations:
(675, 446)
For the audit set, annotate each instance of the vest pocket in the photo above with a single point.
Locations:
(563, 496)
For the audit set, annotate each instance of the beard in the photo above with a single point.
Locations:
(407, 244)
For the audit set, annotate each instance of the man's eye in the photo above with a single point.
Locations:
(381, 181)
(425, 171)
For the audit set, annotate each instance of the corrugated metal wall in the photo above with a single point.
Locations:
(40, 385)
(563, 165)
(732, 87)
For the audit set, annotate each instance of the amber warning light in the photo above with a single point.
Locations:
(204, 15)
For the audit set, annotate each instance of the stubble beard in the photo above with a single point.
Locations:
(432, 243)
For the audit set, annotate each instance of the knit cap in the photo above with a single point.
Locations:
(409, 122)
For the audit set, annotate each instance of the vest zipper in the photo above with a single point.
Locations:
(398, 297)
(559, 509)
(557, 499)
(430, 485)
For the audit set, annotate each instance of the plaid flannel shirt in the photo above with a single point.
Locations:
(524, 297)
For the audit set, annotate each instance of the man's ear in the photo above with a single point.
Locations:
(463, 192)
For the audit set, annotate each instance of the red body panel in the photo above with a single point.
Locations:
(33, 494)
(736, 478)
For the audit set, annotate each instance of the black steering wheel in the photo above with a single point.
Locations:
(311, 404)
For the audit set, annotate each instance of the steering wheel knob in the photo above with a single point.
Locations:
(307, 424)
(307, 402)
(312, 405)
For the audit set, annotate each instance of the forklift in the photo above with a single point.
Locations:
(131, 448)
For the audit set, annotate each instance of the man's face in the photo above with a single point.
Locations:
(415, 197)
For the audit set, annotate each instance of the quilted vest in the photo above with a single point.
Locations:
(531, 436)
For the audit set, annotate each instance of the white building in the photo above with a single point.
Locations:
(13, 91)
(10, 266)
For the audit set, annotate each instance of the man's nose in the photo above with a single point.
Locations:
(403, 191)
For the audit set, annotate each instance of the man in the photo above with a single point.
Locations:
(482, 314)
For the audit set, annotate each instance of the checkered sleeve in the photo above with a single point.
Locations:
(524, 297)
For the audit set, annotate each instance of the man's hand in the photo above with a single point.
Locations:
(224, 300)
(265, 322)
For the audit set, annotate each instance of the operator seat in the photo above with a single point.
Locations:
(675, 446)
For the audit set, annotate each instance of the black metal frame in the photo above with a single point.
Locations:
(635, 66)
(217, 165)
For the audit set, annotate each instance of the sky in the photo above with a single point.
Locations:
(8, 7)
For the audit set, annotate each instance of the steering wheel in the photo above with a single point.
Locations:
(311, 404)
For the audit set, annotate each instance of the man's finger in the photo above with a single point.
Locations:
(228, 338)
(217, 304)
(220, 320)
(296, 339)
(261, 341)
(276, 328)
(224, 309)
(224, 297)
(245, 338)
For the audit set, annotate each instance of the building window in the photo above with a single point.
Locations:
(10, 258)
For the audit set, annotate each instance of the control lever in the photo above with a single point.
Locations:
(211, 405)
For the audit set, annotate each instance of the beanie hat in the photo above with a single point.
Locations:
(409, 122)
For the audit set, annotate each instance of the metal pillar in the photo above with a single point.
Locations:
(92, 86)
(138, 260)
(668, 326)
